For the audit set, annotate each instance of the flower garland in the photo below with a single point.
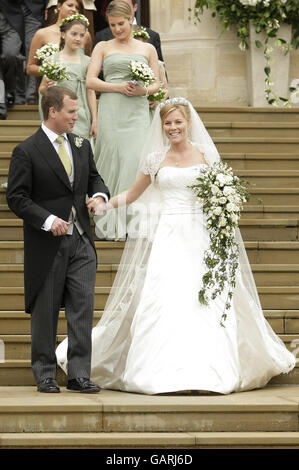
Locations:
(222, 195)
(76, 16)
(141, 72)
(266, 16)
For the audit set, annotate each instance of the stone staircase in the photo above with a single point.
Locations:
(262, 145)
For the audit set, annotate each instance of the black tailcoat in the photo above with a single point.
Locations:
(38, 186)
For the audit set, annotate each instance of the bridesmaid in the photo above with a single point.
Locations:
(123, 115)
(51, 34)
(73, 31)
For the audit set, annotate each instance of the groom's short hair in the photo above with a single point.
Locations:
(54, 96)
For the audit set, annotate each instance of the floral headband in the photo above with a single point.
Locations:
(77, 16)
(141, 33)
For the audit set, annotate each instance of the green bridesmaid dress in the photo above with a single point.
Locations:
(77, 83)
(123, 123)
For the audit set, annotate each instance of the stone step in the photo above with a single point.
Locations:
(271, 297)
(25, 128)
(281, 252)
(251, 229)
(238, 161)
(9, 142)
(247, 114)
(223, 144)
(215, 128)
(207, 113)
(269, 196)
(250, 211)
(257, 144)
(12, 275)
(252, 129)
(23, 410)
(18, 372)
(262, 161)
(23, 113)
(256, 178)
(274, 196)
(17, 322)
(5, 160)
(270, 179)
(267, 212)
(151, 440)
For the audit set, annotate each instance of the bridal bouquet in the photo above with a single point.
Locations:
(222, 195)
(53, 71)
(46, 51)
(159, 95)
(141, 72)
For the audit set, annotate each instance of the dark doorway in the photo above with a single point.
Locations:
(143, 14)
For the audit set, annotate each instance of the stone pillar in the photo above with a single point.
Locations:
(203, 63)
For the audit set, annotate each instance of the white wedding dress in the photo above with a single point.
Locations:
(169, 341)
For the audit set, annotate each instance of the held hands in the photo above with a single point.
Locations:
(59, 227)
(97, 205)
(131, 89)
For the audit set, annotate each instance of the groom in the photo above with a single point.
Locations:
(49, 177)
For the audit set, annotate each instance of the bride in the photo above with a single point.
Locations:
(154, 335)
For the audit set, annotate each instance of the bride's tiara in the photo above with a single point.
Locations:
(177, 100)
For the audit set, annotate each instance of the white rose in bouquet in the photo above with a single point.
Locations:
(221, 178)
(222, 200)
(217, 210)
(227, 190)
(214, 189)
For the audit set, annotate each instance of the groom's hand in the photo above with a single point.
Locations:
(94, 204)
(59, 227)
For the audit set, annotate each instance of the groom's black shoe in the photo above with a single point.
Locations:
(83, 385)
(48, 385)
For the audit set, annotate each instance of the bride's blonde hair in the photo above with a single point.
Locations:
(119, 8)
(168, 107)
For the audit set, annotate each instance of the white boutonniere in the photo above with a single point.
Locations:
(78, 142)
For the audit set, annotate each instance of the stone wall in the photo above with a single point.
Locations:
(203, 63)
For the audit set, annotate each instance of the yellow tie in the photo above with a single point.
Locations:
(64, 156)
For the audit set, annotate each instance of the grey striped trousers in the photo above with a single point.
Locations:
(72, 279)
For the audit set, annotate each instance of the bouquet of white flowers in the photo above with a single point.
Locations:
(141, 33)
(222, 195)
(141, 72)
(159, 95)
(53, 71)
(46, 51)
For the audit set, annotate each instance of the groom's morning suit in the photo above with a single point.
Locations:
(57, 270)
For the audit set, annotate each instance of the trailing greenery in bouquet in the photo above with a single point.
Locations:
(222, 195)
(159, 95)
(141, 72)
(266, 16)
(46, 51)
(53, 71)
